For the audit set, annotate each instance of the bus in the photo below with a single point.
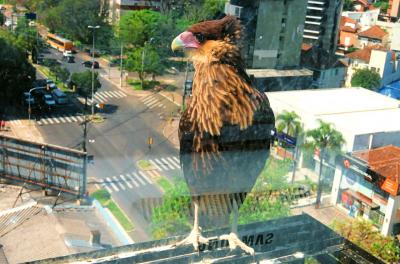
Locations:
(59, 43)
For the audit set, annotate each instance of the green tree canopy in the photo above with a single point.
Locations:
(348, 5)
(72, 18)
(366, 78)
(61, 73)
(151, 63)
(288, 122)
(83, 81)
(16, 73)
(329, 141)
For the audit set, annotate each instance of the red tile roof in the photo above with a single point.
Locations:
(365, 53)
(306, 47)
(375, 32)
(385, 161)
(347, 20)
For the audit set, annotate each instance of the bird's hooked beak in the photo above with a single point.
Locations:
(185, 40)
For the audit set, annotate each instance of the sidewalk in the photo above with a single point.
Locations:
(27, 131)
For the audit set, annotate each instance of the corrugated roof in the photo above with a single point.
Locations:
(374, 32)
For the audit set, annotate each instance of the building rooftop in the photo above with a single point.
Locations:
(374, 32)
(43, 232)
(330, 101)
(284, 240)
(273, 73)
(384, 160)
(365, 53)
(349, 25)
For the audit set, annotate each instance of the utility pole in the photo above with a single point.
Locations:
(121, 67)
(94, 28)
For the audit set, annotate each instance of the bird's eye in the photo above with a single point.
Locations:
(199, 37)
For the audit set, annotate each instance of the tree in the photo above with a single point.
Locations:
(290, 122)
(16, 73)
(138, 27)
(150, 62)
(366, 78)
(83, 81)
(2, 19)
(61, 73)
(72, 18)
(348, 5)
(362, 233)
(325, 139)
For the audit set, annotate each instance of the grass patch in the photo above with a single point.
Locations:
(49, 75)
(120, 215)
(144, 164)
(147, 85)
(164, 184)
(104, 197)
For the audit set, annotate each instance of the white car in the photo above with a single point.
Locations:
(67, 53)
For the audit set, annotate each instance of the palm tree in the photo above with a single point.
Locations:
(326, 139)
(290, 122)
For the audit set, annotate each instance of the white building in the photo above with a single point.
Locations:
(375, 58)
(365, 19)
(365, 118)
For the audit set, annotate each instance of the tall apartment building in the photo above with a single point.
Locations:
(394, 8)
(273, 31)
(322, 23)
(118, 7)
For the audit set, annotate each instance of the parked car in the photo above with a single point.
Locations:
(48, 101)
(59, 96)
(67, 53)
(89, 64)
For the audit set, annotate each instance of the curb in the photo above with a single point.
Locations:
(115, 226)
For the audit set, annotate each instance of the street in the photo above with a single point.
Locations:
(119, 142)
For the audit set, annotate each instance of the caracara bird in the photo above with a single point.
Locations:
(225, 131)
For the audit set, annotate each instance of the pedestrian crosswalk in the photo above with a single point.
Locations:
(60, 119)
(166, 163)
(152, 101)
(15, 122)
(104, 97)
(126, 181)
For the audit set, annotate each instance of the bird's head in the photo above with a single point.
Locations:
(226, 29)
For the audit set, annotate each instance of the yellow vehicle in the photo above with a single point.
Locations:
(59, 43)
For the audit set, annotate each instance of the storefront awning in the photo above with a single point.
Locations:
(362, 198)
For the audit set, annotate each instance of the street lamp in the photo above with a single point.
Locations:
(93, 28)
(143, 55)
(29, 102)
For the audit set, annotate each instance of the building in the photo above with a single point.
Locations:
(394, 9)
(377, 59)
(365, 119)
(328, 71)
(321, 27)
(365, 19)
(296, 239)
(367, 184)
(373, 35)
(348, 33)
(119, 7)
(273, 31)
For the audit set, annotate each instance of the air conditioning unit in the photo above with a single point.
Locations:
(233, 10)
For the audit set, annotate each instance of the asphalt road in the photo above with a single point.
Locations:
(117, 144)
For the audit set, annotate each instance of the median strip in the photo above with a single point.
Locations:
(104, 197)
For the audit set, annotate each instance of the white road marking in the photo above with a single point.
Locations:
(120, 93)
(145, 177)
(112, 184)
(109, 94)
(73, 118)
(138, 178)
(176, 159)
(69, 120)
(161, 164)
(62, 119)
(127, 182)
(174, 162)
(167, 163)
(119, 182)
(132, 179)
(155, 165)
